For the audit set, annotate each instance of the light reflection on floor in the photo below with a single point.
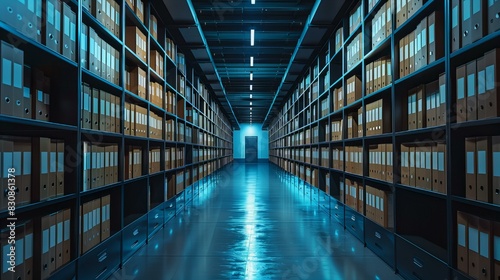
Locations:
(252, 222)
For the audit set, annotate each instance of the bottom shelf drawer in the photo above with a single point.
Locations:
(169, 209)
(354, 223)
(196, 189)
(180, 201)
(324, 202)
(101, 261)
(156, 219)
(380, 241)
(134, 236)
(188, 194)
(414, 263)
(337, 211)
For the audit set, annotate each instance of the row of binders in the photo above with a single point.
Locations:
(309, 175)
(52, 165)
(24, 252)
(156, 94)
(482, 169)
(309, 155)
(170, 130)
(156, 62)
(339, 39)
(378, 120)
(315, 89)
(355, 17)
(423, 45)
(100, 165)
(354, 159)
(175, 183)
(354, 52)
(380, 162)
(154, 160)
(24, 91)
(137, 7)
(171, 100)
(204, 154)
(36, 161)
(325, 156)
(107, 12)
(136, 81)
(136, 41)
(378, 74)
(181, 84)
(353, 89)
(377, 206)
(423, 165)
(56, 241)
(478, 243)
(155, 126)
(15, 154)
(95, 222)
(354, 194)
(335, 133)
(338, 98)
(382, 24)
(311, 115)
(427, 104)
(338, 158)
(192, 115)
(50, 22)
(153, 22)
(405, 9)
(99, 57)
(472, 22)
(477, 88)
(135, 120)
(133, 162)
(312, 135)
(371, 4)
(171, 49)
(352, 126)
(325, 108)
(100, 110)
(174, 157)
(180, 132)
(181, 62)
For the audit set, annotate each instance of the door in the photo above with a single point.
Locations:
(251, 150)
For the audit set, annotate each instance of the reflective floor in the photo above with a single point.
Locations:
(252, 225)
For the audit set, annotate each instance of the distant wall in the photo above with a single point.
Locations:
(250, 130)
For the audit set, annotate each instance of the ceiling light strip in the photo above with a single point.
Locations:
(202, 35)
(299, 42)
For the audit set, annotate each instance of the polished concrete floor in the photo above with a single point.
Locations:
(251, 224)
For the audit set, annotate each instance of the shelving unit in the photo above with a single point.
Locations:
(144, 152)
(420, 237)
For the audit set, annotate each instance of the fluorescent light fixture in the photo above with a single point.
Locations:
(251, 61)
(250, 108)
(250, 113)
(251, 96)
(251, 76)
(251, 87)
(250, 103)
(253, 2)
(252, 37)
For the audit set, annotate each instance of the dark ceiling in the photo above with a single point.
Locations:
(217, 33)
(278, 25)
